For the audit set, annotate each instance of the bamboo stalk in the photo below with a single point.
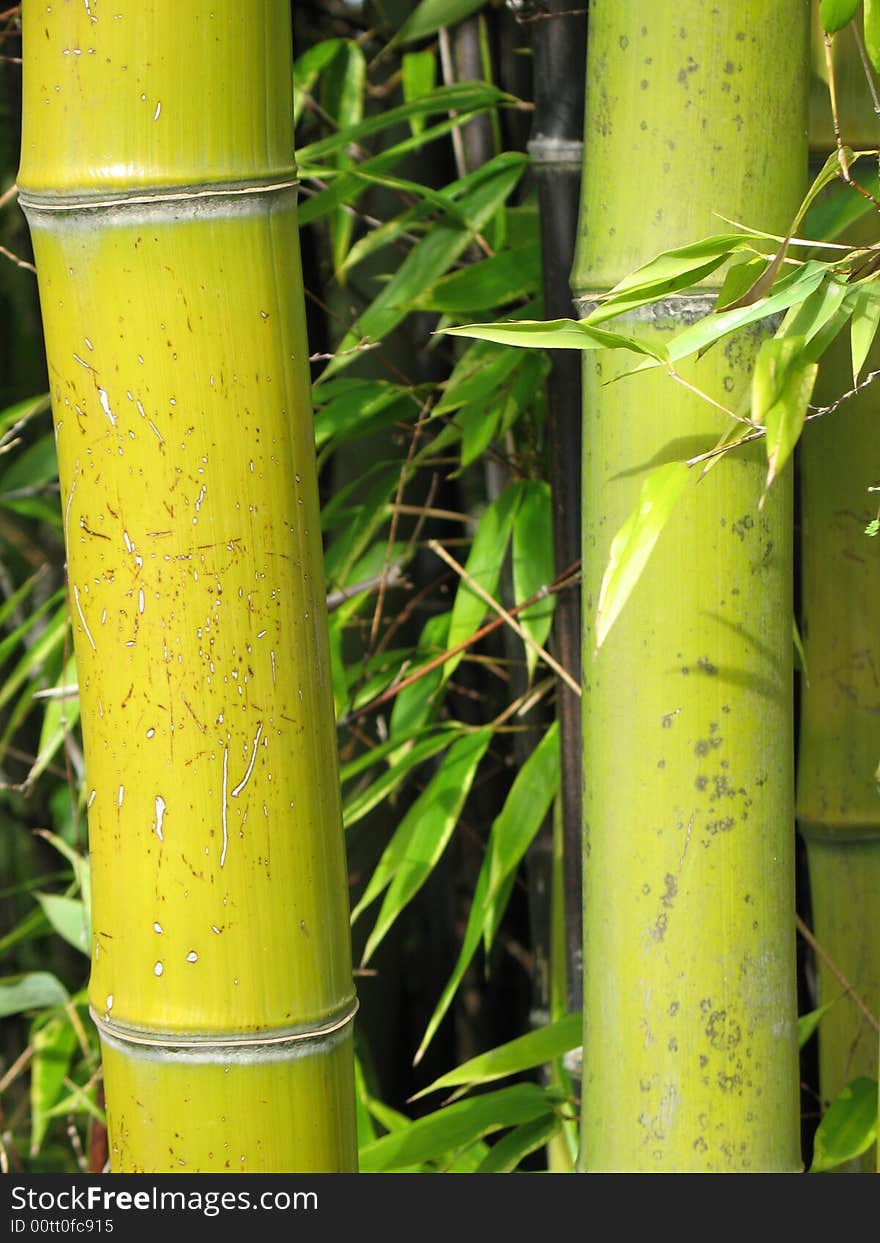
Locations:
(158, 181)
(690, 1055)
(556, 151)
(839, 744)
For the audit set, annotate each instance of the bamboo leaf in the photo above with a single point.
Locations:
(434, 254)
(872, 32)
(413, 705)
(533, 562)
(863, 329)
(355, 808)
(54, 1043)
(782, 383)
(514, 1147)
(431, 15)
(433, 817)
(453, 1127)
(35, 991)
(634, 542)
(739, 278)
(516, 1056)
(460, 97)
(22, 412)
(69, 919)
(812, 315)
(835, 14)
(418, 77)
(495, 281)
(788, 290)
(512, 832)
(556, 334)
(483, 565)
(807, 1023)
(849, 1128)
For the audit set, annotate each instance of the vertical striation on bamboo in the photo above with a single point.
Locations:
(690, 1050)
(157, 176)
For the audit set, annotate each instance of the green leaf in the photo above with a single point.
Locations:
(670, 272)
(835, 14)
(405, 760)
(787, 291)
(533, 563)
(811, 316)
(516, 1056)
(863, 330)
(69, 918)
(504, 1156)
(451, 1128)
(849, 1128)
(418, 78)
(513, 831)
(54, 1043)
(429, 16)
(423, 835)
(35, 991)
(484, 567)
(872, 33)
(634, 542)
(556, 334)
(414, 704)
(492, 282)
(22, 412)
(435, 254)
(460, 97)
(782, 384)
(807, 1023)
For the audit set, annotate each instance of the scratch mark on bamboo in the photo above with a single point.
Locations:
(272, 659)
(250, 768)
(160, 815)
(105, 405)
(120, 796)
(92, 797)
(85, 624)
(67, 509)
(192, 956)
(158, 110)
(157, 927)
(158, 969)
(223, 812)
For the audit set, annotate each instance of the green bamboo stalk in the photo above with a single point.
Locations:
(690, 1056)
(839, 744)
(158, 181)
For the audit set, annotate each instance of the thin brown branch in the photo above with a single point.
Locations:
(505, 615)
(835, 971)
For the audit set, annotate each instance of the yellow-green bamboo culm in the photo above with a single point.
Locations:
(690, 1050)
(158, 181)
(839, 745)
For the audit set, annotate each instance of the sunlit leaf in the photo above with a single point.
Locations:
(418, 78)
(557, 334)
(634, 542)
(872, 33)
(524, 1053)
(835, 14)
(863, 330)
(454, 1126)
(849, 1127)
(782, 384)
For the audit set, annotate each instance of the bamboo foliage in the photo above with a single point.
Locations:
(690, 1057)
(158, 182)
(839, 742)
